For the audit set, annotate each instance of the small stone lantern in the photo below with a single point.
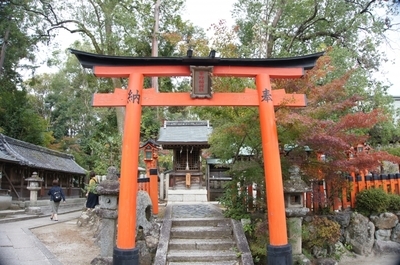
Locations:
(33, 185)
(108, 190)
(294, 190)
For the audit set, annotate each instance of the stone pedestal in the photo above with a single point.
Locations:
(294, 232)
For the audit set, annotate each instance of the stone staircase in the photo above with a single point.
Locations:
(202, 241)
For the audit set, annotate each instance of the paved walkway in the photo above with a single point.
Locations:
(194, 210)
(18, 245)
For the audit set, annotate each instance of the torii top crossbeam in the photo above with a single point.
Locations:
(91, 60)
(120, 66)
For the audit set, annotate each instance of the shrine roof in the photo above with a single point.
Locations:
(23, 153)
(150, 142)
(89, 60)
(184, 133)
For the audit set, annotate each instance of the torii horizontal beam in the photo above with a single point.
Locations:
(150, 97)
(179, 70)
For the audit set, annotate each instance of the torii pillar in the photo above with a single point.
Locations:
(134, 97)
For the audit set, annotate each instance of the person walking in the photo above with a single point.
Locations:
(92, 196)
(56, 195)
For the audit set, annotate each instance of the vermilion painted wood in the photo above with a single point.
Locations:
(242, 71)
(231, 71)
(154, 192)
(129, 168)
(353, 191)
(125, 71)
(150, 97)
(272, 166)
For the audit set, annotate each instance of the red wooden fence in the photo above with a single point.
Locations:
(317, 199)
(321, 196)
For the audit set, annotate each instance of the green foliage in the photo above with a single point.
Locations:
(320, 232)
(19, 120)
(393, 151)
(348, 246)
(258, 240)
(373, 200)
(234, 202)
(394, 202)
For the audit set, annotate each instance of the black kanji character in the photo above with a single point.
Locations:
(132, 97)
(266, 95)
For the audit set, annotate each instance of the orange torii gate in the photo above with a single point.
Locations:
(134, 97)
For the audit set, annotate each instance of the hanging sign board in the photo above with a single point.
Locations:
(201, 81)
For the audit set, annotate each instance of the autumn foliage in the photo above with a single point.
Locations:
(331, 124)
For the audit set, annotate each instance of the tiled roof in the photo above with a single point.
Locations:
(23, 153)
(7, 158)
(184, 132)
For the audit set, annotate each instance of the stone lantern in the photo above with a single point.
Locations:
(33, 185)
(294, 191)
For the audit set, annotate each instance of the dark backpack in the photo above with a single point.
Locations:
(57, 196)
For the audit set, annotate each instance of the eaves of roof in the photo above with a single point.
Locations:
(31, 155)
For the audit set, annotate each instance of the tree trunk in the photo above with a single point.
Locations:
(3, 50)
(154, 48)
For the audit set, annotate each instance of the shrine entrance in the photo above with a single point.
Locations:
(200, 68)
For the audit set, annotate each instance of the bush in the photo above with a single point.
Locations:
(372, 201)
(394, 202)
(258, 240)
(234, 202)
(321, 232)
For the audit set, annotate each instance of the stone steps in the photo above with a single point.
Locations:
(216, 222)
(201, 232)
(205, 263)
(201, 244)
(202, 241)
(201, 256)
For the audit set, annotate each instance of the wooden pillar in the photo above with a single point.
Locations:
(353, 189)
(125, 249)
(392, 178)
(386, 183)
(279, 251)
(154, 189)
(250, 197)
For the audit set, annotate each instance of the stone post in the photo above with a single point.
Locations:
(108, 191)
(161, 188)
(166, 186)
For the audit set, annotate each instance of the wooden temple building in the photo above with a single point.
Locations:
(19, 160)
(186, 139)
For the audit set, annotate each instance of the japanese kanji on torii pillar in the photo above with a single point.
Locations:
(200, 69)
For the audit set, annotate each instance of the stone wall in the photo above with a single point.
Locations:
(375, 234)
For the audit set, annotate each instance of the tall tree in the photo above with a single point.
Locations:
(116, 27)
(18, 118)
